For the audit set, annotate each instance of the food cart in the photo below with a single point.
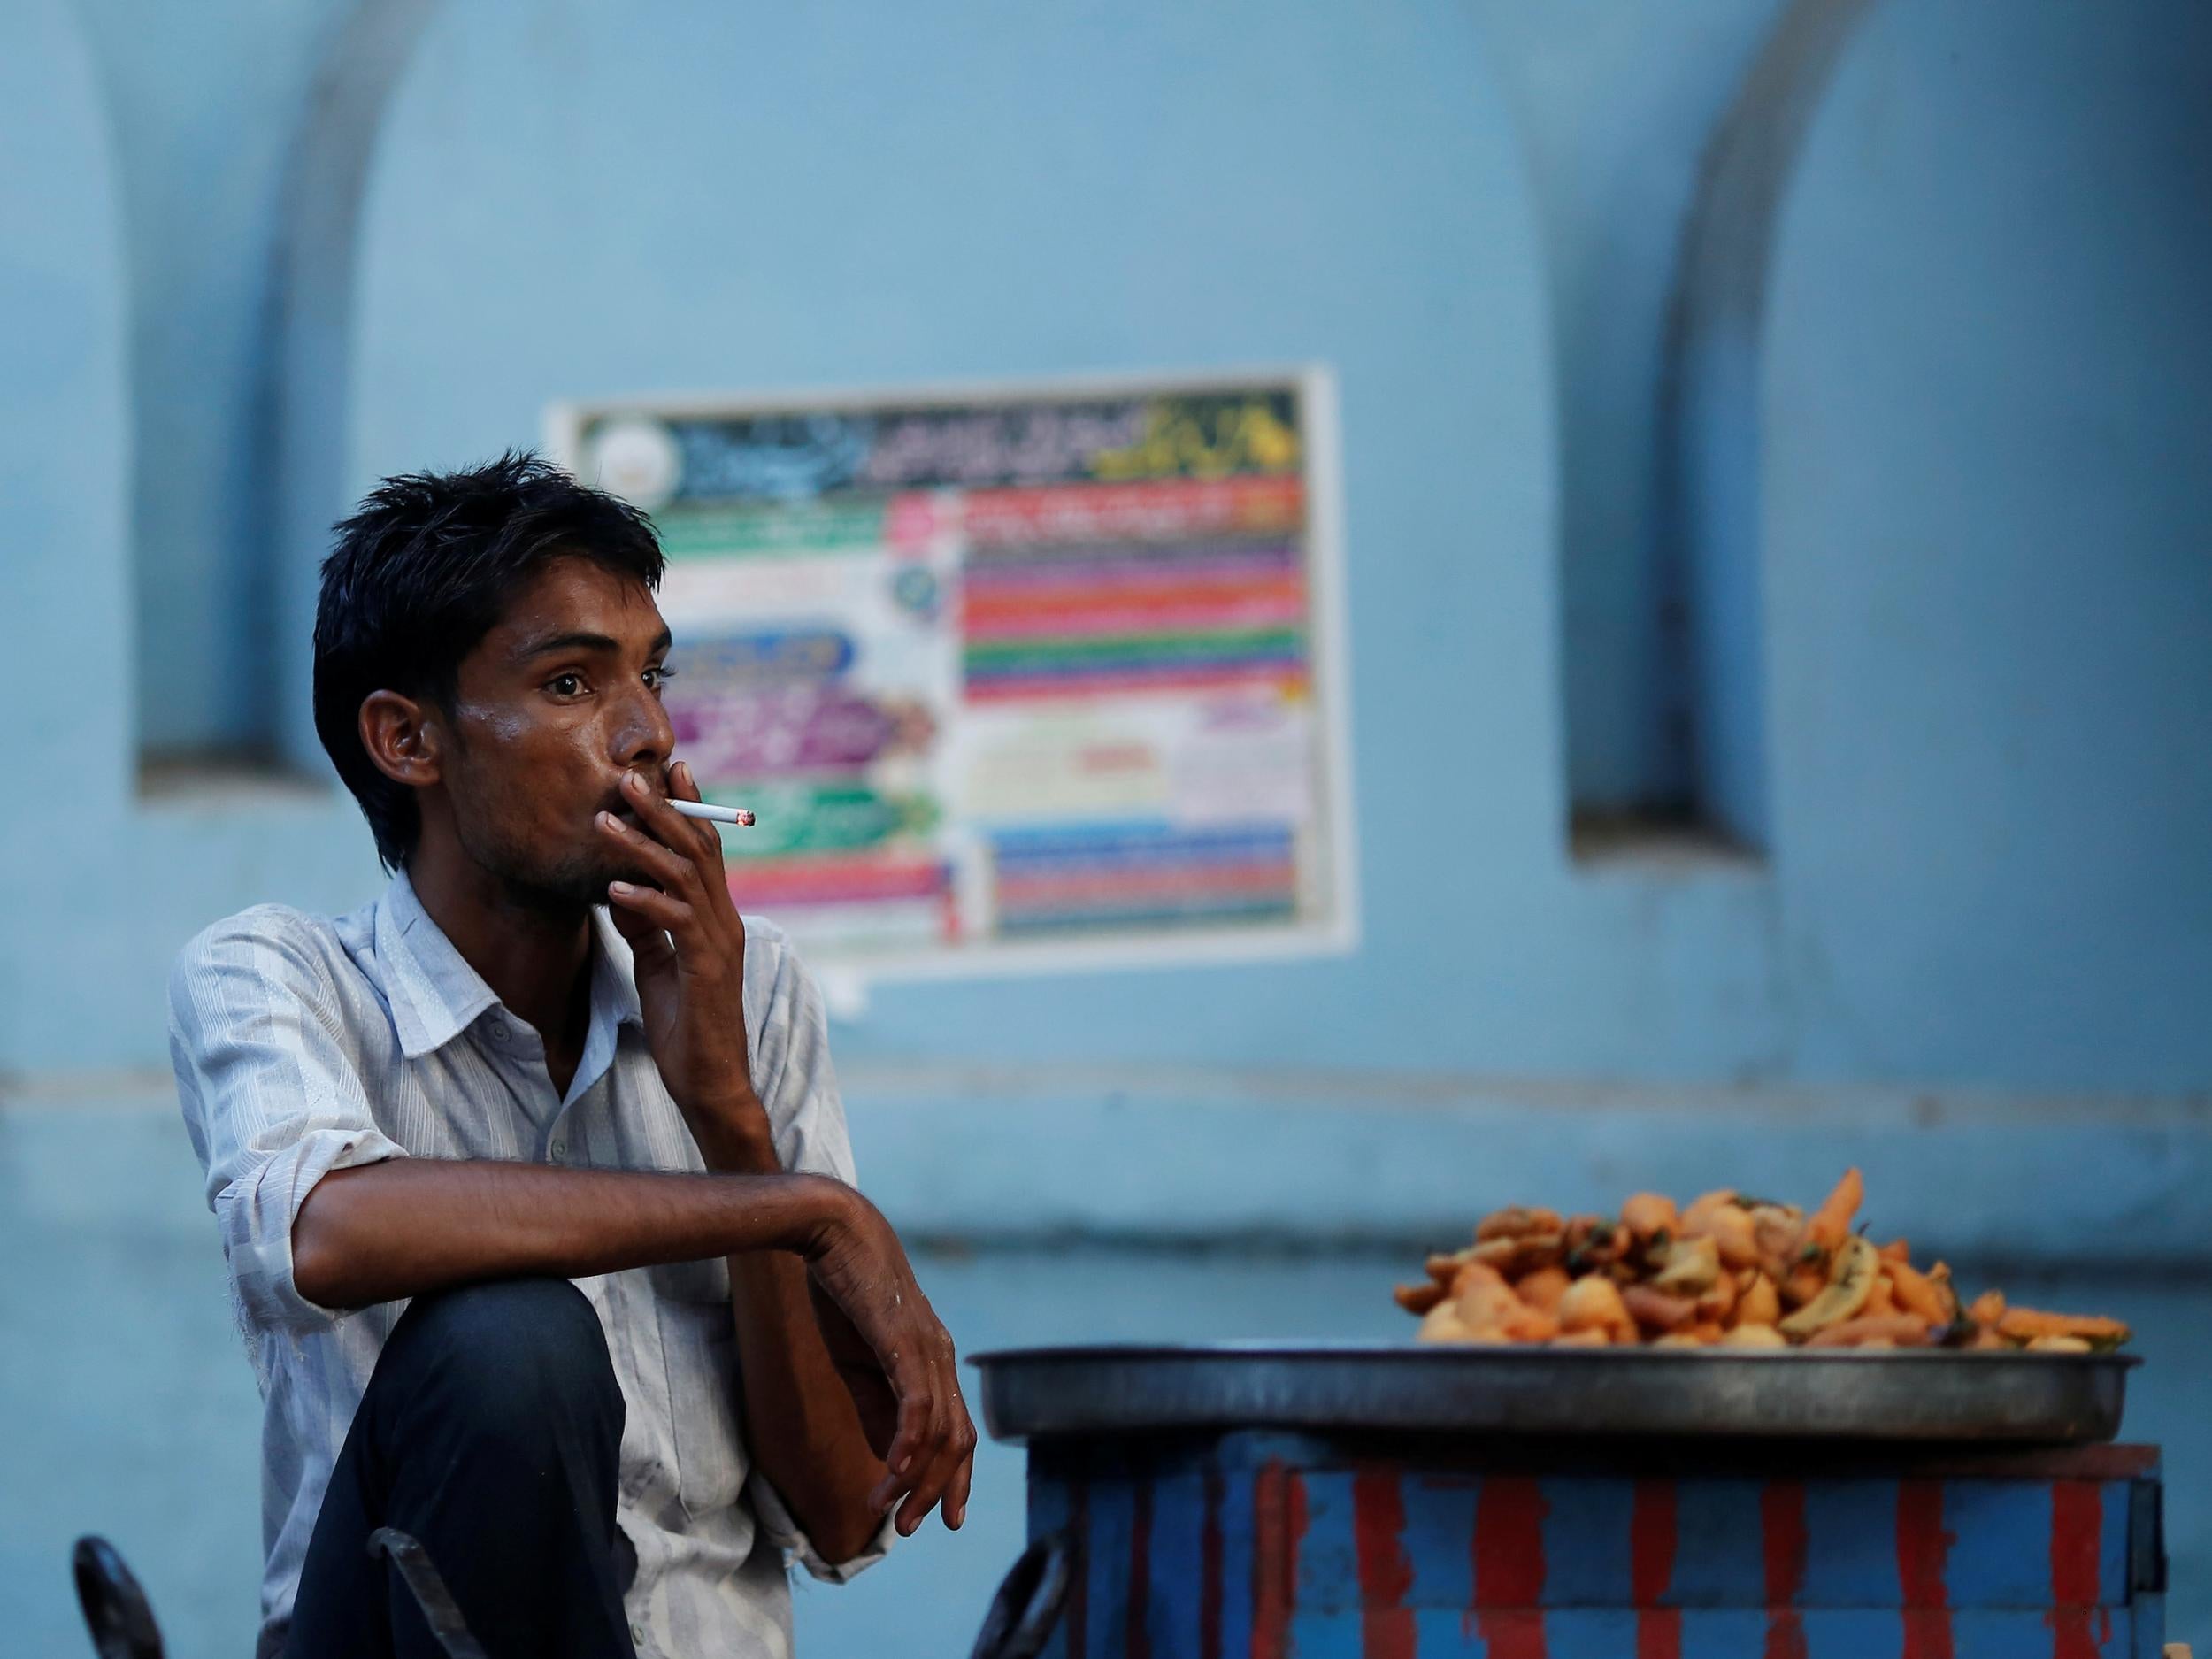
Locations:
(1261, 1500)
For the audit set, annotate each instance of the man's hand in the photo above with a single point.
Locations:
(873, 1324)
(921, 1428)
(689, 944)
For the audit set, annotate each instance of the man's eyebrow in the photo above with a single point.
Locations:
(583, 639)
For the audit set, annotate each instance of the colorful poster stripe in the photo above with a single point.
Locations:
(1040, 664)
(1192, 615)
(1117, 875)
(1287, 680)
(1114, 512)
(1128, 653)
(1068, 611)
(773, 531)
(1140, 561)
(763, 883)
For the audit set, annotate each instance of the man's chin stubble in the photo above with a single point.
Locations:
(562, 889)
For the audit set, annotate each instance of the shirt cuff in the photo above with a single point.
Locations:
(785, 1534)
(257, 1211)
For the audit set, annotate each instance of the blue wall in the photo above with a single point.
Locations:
(65, 472)
(1978, 528)
(1937, 388)
(1986, 398)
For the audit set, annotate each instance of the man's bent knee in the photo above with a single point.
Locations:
(507, 1353)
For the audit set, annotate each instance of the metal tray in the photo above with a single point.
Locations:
(1929, 1394)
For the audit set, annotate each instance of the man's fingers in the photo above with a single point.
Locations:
(925, 1497)
(687, 789)
(668, 868)
(955, 1500)
(886, 1494)
(953, 1439)
(713, 869)
(910, 1462)
(902, 1462)
(682, 786)
(699, 845)
(670, 915)
(959, 1453)
(957, 1488)
(936, 1470)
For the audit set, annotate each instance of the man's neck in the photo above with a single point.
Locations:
(536, 957)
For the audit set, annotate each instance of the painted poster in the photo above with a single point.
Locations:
(1013, 673)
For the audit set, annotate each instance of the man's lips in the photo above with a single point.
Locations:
(617, 799)
(621, 807)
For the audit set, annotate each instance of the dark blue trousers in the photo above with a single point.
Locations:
(491, 1432)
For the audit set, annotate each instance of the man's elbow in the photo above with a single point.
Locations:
(850, 1539)
(315, 1273)
(319, 1253)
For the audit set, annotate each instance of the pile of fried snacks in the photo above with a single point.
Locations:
(1730, 1272)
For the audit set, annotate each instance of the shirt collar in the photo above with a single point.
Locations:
(613, 974)
(435, 994)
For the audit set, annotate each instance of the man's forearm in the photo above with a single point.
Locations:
(800, 1424)
(407, 1226)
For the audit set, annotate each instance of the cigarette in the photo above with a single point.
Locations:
(740, 816)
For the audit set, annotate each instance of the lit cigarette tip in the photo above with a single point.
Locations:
(741, 817)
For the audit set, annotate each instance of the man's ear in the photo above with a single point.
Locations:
(404, 737)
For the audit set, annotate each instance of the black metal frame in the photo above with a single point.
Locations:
(121, 1620)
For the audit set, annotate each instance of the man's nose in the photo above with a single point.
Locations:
(645, 739)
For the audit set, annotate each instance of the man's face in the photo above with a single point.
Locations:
(551, 708)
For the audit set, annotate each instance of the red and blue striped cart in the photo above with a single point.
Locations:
(1231, 1540)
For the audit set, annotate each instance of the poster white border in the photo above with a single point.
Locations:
(1336, 934)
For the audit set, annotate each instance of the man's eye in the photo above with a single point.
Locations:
(565, 685)
(659, 676)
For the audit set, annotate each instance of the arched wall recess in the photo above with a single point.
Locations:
(1708, 501)
(206, 114)
(316, 257)
(1615, 106)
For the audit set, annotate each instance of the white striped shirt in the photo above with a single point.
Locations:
(303, 1044)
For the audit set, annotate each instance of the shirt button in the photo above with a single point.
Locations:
(560, 1148)
(637, 1632)
(499, 1029)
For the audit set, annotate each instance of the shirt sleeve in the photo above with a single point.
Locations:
(271, 1096)
(795, 1082)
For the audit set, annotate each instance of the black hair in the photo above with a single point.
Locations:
(420, 573)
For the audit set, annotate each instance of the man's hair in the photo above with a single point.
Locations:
(420, 573)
